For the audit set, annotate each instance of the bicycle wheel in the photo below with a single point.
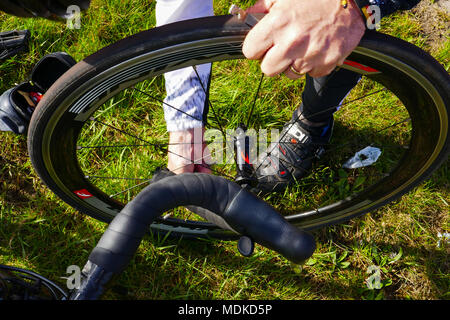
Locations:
(99, 134)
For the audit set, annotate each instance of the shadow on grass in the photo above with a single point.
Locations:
(411, 267)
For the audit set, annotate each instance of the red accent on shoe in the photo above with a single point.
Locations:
(282, 150)
(245, 158)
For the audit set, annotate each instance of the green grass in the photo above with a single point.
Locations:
(41, 233)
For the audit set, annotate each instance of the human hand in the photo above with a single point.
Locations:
(311, 36)
(187, 152)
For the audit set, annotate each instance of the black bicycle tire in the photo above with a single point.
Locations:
(212, 29)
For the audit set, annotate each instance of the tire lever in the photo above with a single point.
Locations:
(249, 19)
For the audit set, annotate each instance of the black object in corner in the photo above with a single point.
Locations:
(17, 104)
(13, 42)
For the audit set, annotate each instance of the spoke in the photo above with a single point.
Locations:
(136, 145)
(116, 178)
(163, 102)
(146, 144)
(354, 140)
(224, 134)
(209, 101)
(114, 146)
(133, 136)
(154, 144)
(323, 180)
(299, 117)
(144, 180)
(254, 100)
(383, 146)
(148, 179)
(121, 131)
(130, 188)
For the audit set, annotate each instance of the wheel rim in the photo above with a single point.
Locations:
(82, 189)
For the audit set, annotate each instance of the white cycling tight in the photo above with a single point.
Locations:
(185, 96)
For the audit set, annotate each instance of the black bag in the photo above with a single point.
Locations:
(17, 104)
(49, 9)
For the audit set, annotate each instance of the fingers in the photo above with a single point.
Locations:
(265, 42)
(322, 69)
(309, 37)
(318, 65)
(258, 40)
(325, 65)
(293, 73)
(275, 61)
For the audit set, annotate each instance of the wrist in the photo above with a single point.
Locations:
(369, 12)
(362, 6)
(355, 12)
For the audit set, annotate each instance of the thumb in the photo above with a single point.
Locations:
(261, 6)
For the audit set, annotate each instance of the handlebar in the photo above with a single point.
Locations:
(242, 210)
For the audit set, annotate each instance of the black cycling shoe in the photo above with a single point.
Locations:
(290, 159)
(13, 42)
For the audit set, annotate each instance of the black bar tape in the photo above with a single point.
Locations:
(258, 220)
(242, 210)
